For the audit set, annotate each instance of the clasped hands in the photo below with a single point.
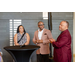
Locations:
(41, 41)
(52, 40)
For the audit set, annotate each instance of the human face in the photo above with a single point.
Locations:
(62, 26)
(21, 29)
(41, 25)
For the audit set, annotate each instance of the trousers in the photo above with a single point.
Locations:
(42, 57)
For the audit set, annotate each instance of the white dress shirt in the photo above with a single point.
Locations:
(40, 34)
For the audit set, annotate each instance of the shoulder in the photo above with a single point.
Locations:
(65, 34)
(68, 33)
(27, 34)
(16, 34)
(47, 30)
(35, 32)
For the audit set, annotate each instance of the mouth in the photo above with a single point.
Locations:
(59, 28)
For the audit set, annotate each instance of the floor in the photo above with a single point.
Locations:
(50, 59)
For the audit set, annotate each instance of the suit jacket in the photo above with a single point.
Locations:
(62, 47)
(44, 47)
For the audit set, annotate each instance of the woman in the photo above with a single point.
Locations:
(21, 37)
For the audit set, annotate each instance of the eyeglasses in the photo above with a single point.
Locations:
(41, 25)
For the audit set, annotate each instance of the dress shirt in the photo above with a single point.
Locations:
(40, 34)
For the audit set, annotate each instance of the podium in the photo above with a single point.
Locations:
(21, 54)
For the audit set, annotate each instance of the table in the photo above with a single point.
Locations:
(21, 54)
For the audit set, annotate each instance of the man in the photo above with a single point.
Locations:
(62, 47)
(41, 38)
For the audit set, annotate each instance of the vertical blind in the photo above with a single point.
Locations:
(14, 23)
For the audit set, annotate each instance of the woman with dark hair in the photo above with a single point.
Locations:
(21, 37)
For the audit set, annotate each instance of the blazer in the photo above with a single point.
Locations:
(62, 47)
(44, 47)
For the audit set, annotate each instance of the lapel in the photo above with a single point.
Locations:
(37, 34)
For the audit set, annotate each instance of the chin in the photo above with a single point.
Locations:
(59, 29)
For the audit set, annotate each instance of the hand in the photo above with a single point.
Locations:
(52, 40)
(38, 41)
(35, 41)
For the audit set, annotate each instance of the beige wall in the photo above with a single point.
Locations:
(74, 33)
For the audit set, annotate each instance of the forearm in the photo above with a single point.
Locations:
(27, 43)
(57, 44)
(16, 43)
(46, 41)
(34, 42)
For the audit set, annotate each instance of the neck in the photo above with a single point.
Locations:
(21, 33)
(65, 29)
(41, 29)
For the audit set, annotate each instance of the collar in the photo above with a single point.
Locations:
(64, 30)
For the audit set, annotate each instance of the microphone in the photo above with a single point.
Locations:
(22, 45)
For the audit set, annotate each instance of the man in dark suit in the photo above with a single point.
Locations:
(62, 46)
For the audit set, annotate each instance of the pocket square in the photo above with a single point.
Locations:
(45, 34)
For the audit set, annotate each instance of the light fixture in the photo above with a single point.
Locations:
(45, 15)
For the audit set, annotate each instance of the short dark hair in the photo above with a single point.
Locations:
(41, 21)
(18, 29)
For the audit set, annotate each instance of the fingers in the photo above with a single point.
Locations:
(39, 41)
(52, 40)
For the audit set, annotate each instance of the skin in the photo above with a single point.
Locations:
(40, 26)
(21, 31)
(62, 27)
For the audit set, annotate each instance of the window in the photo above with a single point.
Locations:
(45, 15)
(13, 29)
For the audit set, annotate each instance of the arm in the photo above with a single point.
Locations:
(61, 42)
(34, 39)
(15, 40)
(49, 37)
(28, 39)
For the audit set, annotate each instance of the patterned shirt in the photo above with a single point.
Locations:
(23, 40)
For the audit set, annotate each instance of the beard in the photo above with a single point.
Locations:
(41, 28)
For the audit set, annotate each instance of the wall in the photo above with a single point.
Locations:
(29, 21)
(74, 33)
(4, 38)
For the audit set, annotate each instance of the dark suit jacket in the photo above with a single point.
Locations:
(62, 47)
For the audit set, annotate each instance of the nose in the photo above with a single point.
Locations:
(59, 25)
